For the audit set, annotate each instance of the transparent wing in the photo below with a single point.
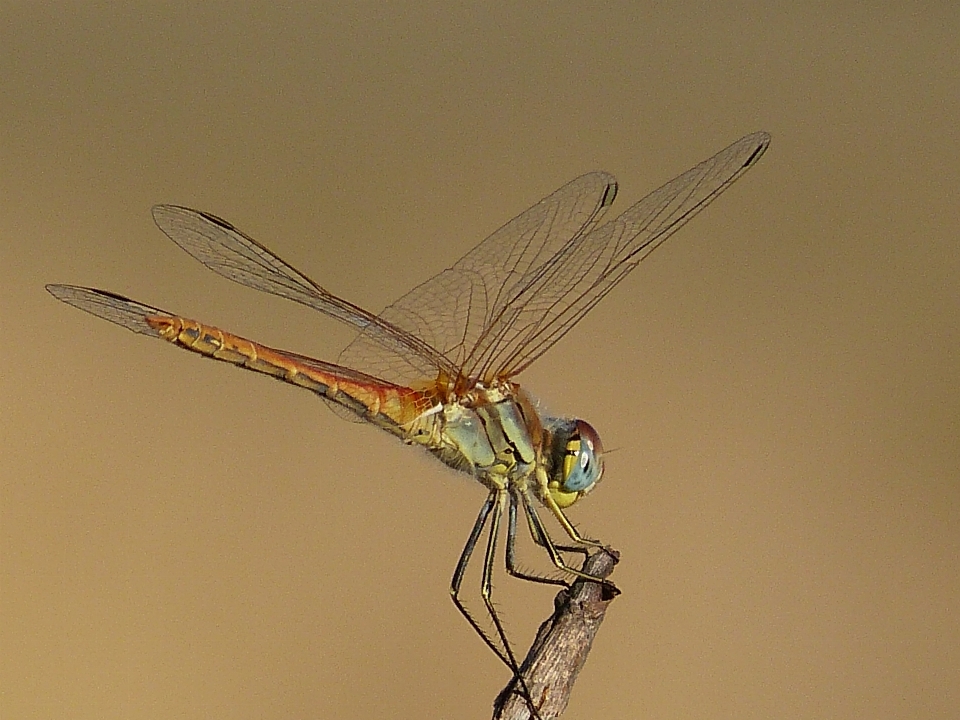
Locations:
(555, 298)
(454, 310)
(107, 305)
(517, 293)
(228, 252)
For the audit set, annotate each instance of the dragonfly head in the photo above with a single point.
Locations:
(578, 462)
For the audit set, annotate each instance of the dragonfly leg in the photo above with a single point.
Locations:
(486, 590)
(511, 555)
(538, 531)
(494, 505)
(461, 569)
(541, 539)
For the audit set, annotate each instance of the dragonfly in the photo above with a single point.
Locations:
(437, 368)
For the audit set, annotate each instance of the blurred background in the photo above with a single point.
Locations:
(780, 381)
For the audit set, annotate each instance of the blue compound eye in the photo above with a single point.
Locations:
(582, 460)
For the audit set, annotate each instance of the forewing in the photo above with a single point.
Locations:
(454, 310)
(545, 304)
(227, 251)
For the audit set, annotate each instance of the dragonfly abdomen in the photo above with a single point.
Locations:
(389, 406)
(219, 345)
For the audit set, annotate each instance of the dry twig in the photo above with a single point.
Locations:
(561, 646)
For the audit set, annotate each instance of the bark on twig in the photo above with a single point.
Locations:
(561, 646)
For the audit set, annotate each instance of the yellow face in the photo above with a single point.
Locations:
(582, 466)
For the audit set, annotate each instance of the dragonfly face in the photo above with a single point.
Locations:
(480, 322)
(582, 466)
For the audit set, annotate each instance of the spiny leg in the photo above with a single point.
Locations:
(565, 523)
(511, 553)
(538, 533)
(493, 501)
(461, 569)
(537, 529)
(486, 590)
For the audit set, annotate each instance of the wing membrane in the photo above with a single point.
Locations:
(519, 291)
(455, 309)
(498, 308)
(228, 252)
(107, 305)
(583, 272)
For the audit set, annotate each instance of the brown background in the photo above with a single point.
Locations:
(180, 539)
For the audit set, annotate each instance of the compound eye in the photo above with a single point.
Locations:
(582, 460)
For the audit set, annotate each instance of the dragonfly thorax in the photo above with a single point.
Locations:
(496, 435)
(490, 433)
